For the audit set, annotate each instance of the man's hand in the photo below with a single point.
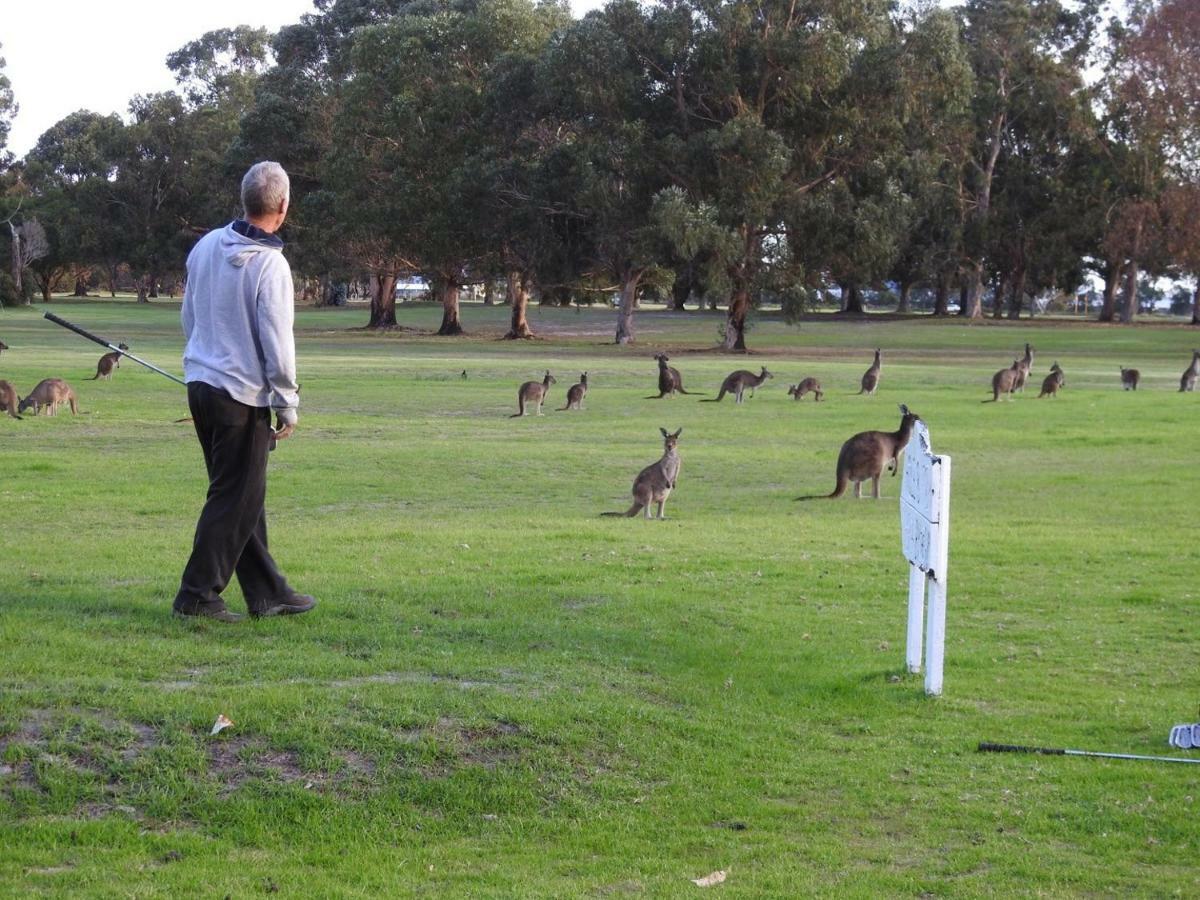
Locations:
(283, 431)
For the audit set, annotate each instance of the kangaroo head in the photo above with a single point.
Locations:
(122, 346)
(549, 379)
(24, 403)
(908, 417)
(662, 358)
(670, 440)
(793, 390)
(583, 377)
(1055, 367)
(765, 373)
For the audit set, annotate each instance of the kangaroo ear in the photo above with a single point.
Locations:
(664, 432)
(903, 410)
(678, 433)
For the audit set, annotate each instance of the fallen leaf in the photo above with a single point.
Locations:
(709, 880)
(221, 724)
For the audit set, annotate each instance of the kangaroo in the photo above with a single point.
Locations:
(8, 399)
(3, 346)
(1026, 362)
(533, 392)
(1187, 381)
(1052, 382)
(865, 455)
(1130, 378)
(464, 375)
(736, 383)
(655, 482)
(1004, 381)
(870, 379)
(806, 386)
(576, 393)
(49, 393)
(108, 362)
(670, 381)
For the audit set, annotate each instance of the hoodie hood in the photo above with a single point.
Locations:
(239, 245)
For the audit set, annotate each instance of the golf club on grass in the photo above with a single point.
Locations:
(986, 747)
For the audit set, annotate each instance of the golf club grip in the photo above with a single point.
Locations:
(985, 747)
(75, 328)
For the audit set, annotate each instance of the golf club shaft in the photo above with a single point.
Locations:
(83, 332)
(986, 747)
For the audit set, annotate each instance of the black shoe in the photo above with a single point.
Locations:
(220, 613)
(293, 605)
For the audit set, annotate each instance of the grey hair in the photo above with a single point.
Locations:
(265, 187)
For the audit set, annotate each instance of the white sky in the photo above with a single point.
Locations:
(64, 55)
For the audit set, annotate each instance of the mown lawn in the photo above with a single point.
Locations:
(504, 695)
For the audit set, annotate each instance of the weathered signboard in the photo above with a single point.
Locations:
(925, 540)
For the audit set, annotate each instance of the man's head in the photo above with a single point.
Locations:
(265, 195)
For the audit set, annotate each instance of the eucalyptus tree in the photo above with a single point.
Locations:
(8, 109)
(1027, 57)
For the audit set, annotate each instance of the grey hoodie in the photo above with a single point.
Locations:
(237, 318)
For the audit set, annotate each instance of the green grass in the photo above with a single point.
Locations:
(504, 695)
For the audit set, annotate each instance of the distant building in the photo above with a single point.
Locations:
(412, 288)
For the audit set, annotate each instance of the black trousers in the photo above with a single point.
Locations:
(231, 535)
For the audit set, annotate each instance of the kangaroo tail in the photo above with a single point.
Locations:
(93, 378)
(629, 513)
(697, 393)
(716, 399)
(186, 419)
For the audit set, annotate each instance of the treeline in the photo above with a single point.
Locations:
(696, 148)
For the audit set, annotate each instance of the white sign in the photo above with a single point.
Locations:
(925, 539)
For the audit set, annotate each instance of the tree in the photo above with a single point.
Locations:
(8, 109)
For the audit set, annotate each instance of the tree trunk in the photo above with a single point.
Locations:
(851, 301)
(735, 321)
(1017, 298)
(905, 304)
(518, 295)
(154, 285)
(16, 259)
(1196, 304)
(941, 296)
(489, 293)
(681, 289)
(81, 289)
(143, 289)
(971, 304)
(450, 321)
(629, 286)
(1112, 277)
(383, 301)
(1129, 302)
(998, 295)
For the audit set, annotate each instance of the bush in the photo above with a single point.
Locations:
(8, 291)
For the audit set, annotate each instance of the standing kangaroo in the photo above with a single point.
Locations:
(870, 379)
(3, 346)
(533, 392)
(1187, 381)
(108, 362)
(1005, 381)
(736, 383)
(655, 482)
(806, 386)
(576, 393)
(1052, 382)
(49, 393)
(8, 399)
(1130, 378)
(865, 455)
(1026, 364)
(669, 380)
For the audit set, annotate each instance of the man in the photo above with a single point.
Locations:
(240, 365)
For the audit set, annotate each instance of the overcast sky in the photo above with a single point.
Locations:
(64, 55)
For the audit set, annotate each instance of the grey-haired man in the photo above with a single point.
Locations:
(240, 366)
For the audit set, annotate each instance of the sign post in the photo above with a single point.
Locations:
(925, 537)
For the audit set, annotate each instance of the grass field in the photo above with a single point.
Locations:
(504, 695)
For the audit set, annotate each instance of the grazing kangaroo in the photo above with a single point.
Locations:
(108, 362)
(670, 381)
(8, 399)
(1187, 381)
(49, 393)
(870, 379)
(1052, 382)
(3, 346)
(1005, 381)
(576, 393)
(1130, 378)
(736, 383)
(464, 375)
(1026, 365)
(533, 392)
(865, 455)
(806, 386)
(655, 482)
